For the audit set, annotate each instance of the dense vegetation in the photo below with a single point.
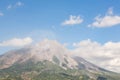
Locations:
(48, 71)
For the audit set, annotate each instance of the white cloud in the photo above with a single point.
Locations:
(107, 55)
(73, 20)
(1, 14)
(17, 4)
(108, 20)
(17, 42)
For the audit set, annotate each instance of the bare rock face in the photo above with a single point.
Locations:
(12, 57)
(45, 50)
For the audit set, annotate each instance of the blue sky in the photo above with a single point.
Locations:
(36, 18)
(78, 22)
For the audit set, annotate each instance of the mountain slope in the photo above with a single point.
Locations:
(49, 60)
(46, 50)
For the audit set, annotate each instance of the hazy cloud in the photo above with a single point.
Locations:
(107, 55)
(1, 14)
(42, 34)
(17, 4)
(109, 20)
(73, 20)
(17, 42)
(9, 6)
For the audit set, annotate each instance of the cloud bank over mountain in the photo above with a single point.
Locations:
(106, 55)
